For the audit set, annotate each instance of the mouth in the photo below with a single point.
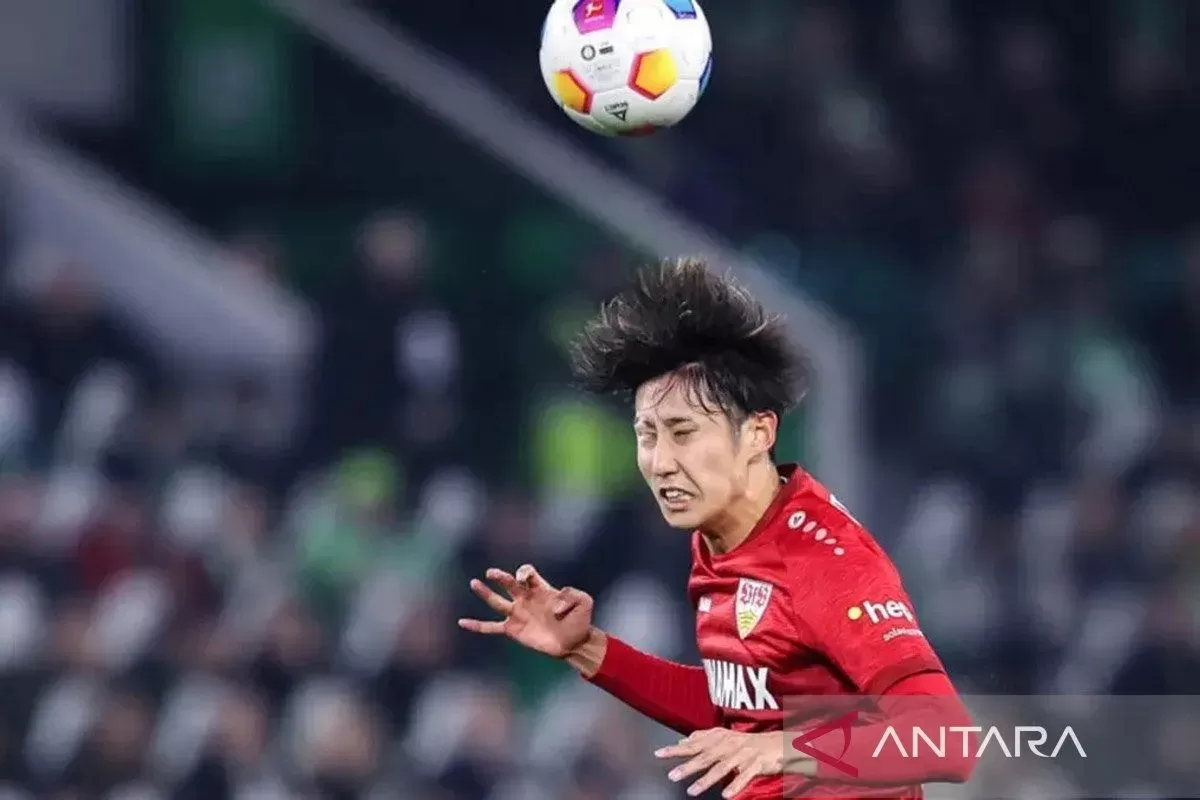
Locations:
(674, 498)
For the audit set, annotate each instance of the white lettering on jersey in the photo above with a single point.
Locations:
(738, 687)
(878, 612)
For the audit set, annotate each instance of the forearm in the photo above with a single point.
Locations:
(926, 702)
(672, 694)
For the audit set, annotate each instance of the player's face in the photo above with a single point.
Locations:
(694, 459)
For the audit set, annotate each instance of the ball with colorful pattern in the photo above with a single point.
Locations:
(626, 67)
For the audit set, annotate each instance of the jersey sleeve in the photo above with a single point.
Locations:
(674, 695)
(850, 601)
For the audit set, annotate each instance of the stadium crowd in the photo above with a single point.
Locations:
(202, 597)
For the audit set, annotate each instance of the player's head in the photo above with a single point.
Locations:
(710, 374)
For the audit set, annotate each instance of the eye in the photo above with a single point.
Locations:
(646, 439)
(684, 436)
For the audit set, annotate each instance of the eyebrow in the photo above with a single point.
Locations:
(669, 422)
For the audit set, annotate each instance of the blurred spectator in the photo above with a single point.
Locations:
(58, 336)
(388, 360)
(291, 648)
(113, 753)
(236, 758)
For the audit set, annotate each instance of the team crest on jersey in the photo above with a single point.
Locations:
(751, 604)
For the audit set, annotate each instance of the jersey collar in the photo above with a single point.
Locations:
(793, 479)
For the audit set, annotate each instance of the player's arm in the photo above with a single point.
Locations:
(558, 622)
(922, 699)
(674, 695)
(863, 621)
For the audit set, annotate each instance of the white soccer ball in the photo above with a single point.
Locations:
(626, 67)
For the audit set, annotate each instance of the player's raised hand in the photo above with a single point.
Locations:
(535, 614)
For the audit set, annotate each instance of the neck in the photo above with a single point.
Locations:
(735, 524)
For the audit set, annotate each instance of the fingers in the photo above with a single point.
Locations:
(689, 746)
(716, 773)
(681, 750)
(697, 763)
(501, 605)
(481, 626)
(569, 599)
(530, 578)
(745, 773)
(506, 581)
(718, 754)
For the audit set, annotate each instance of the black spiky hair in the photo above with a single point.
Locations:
(679, 317)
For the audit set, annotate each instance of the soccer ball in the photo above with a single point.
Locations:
(626, 67)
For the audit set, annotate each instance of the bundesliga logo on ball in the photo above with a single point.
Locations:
(626, 67)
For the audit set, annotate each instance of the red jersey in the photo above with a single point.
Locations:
(808, 604)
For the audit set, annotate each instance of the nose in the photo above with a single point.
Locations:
(662, 460)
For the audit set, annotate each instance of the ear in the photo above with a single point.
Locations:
(759, 431)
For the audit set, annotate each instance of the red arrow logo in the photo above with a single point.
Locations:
(803, 743)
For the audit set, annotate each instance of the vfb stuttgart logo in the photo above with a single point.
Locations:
(750, 605)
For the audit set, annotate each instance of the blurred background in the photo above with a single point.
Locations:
(285, 294)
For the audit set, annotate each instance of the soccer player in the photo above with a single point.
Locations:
(793, 598)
